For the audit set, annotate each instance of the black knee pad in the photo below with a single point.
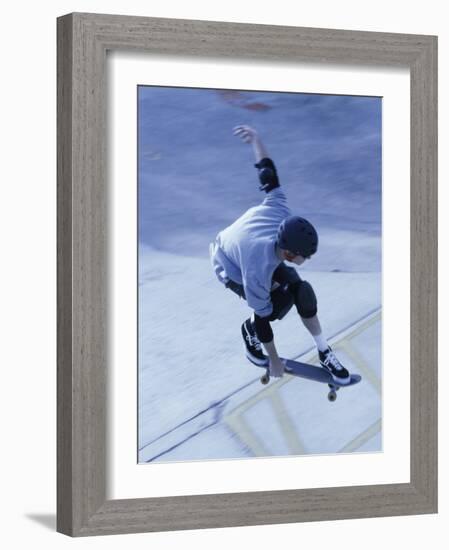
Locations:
(305, 299)
(281, 309)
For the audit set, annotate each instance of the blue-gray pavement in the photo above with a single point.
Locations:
(196, 177)
(193, 372)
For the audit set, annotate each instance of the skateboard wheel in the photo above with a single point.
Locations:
(332, 395)
(265, 379)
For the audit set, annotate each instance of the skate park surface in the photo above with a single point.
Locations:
(199, 396)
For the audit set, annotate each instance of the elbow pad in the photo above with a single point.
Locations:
(263, 328)
(267, 175)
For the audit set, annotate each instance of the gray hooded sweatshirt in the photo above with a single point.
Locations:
(244, 252)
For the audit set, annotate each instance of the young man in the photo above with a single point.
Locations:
(249, 258)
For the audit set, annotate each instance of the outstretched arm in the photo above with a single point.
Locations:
(249, 135)
(267, 170)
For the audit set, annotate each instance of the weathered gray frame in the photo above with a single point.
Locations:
(83, 40)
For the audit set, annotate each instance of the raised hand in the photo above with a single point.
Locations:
(246, 133)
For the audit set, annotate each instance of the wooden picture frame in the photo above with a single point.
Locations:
(83, 40)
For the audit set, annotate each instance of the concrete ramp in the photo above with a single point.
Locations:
(290, 416)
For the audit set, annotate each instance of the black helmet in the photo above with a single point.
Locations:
(298, 236)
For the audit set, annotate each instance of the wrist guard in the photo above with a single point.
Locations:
(267, 175)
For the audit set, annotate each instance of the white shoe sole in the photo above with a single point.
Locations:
(341, 381)
(255, 360)
(252, 358)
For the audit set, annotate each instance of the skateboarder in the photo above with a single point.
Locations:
(249, 258)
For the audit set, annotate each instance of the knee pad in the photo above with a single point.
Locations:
(281, 311)
(305, 299)
(282, 301)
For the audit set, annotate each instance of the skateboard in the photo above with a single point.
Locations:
(311, 372)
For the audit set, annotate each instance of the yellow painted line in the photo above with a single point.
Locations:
(374, 319)
(289, 431)
(345, 343)
(241, 428)
(239, 425)
(362, 438)
(367, 373)
(263, 393)
(352, 332)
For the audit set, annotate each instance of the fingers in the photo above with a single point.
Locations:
(246, 133)
(276, 372)
(277, 368)
(241, 128)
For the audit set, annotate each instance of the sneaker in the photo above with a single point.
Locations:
(253, 346)
(330, 362)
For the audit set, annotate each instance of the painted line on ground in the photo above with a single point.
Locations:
(362, 438)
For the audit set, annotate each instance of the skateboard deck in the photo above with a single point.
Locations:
(312, 372)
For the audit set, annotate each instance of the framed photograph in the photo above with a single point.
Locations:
(247, 274)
